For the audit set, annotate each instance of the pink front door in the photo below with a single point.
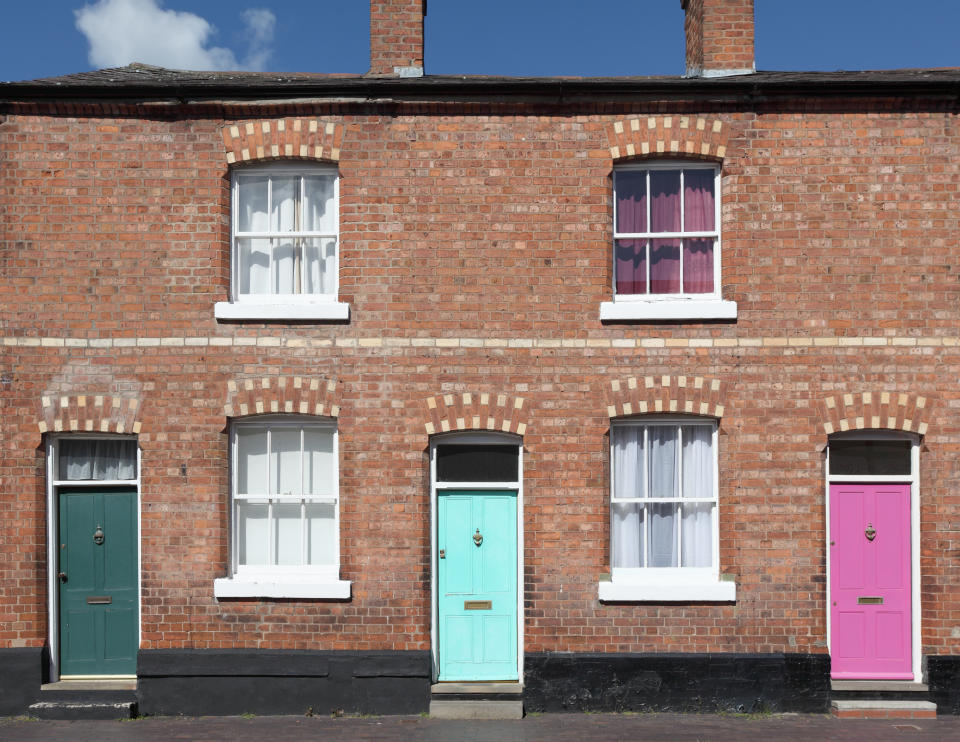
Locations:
(870, 581)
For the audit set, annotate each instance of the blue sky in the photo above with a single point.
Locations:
(497, 37)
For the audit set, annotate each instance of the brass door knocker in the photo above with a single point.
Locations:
(98, 535)
(478, 538)
(871, 532)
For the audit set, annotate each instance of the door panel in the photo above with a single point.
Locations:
(98, 598)
(477, 584)
(870, 581)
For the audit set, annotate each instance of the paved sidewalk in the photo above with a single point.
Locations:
(545, 728)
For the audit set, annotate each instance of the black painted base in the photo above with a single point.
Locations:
(743, 683)
(20, 678)
(231, 682)
(943, 677)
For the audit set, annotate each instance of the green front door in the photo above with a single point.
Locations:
(98, 581)
(477, 584)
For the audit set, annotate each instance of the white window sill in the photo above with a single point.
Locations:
(692, 592)
(250, 587)
(667, 309)
(266, 310)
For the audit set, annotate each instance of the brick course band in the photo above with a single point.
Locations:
(651, 395)
(689, 136)
(285, 138)
(282, 395)
(89, 413)
(863, 410)
(503, 413)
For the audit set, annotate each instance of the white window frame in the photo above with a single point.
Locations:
(283, 581)
(298, 306)
(678, 306)
(666, 584)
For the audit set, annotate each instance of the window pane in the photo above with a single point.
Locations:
(664, 266)
(320, 258)
(285, 462)
(321, 533)
(254, 269)
(870, 457)
(285, 276)
(698, 266)
(663, 535)
(283, 209)
(252, 203)
(631, 194)
(253, 532)
(318, 204)
(626, 533)
(631, 266)
(288, 533)
(318, 463)
(251, 461)
(466, 463)
(697, 535)
(628, 461)
(698, 204)
(664, 200)
(97, 459)
(697, 461)
(663, 461)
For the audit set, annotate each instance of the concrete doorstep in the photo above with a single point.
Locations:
(870, 709)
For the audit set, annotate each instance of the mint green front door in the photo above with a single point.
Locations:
(98, 581)
(477, 584)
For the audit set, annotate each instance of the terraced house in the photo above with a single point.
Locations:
(385, 392)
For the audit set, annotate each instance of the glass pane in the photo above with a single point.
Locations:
(283, 209)
(466, 463)
(320, 257)
(319, 209)
(629, 461)
(697, 535)
(698, 204)
(697, 461)
(626, 531)
(97, 459)
(253, 533)
(288, 533)
(285, 462)
(321, 534)
(318, 463)
(665, 201)
(663, 535)
(286, 279)
(631, 195)
(252, 203)
(251, 461)
(663, 461)
(631, 266)
(254, 268)
(664, 266)
(698, 266)
(870, 457)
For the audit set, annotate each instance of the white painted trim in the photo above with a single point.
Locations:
(694, 591)
(318, 310)
(667, 309)
(914, 481)
(478, 438)
(248, 587)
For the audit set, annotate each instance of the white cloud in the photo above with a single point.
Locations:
(124, 31)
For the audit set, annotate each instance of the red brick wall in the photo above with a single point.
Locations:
(719, 35)
(475, 252)
(396, 35)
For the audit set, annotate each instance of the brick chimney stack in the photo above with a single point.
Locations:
(719, 37)
(396, 37)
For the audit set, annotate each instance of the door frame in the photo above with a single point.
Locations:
(53, 539)
(913, 479)
(480, 438)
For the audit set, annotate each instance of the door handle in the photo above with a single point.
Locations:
(62, 576)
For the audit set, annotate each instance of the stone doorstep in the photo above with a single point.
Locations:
(91, 685)
(496, 688)
(441, 709)
(883, 709)
(875, 686)
(83, 710)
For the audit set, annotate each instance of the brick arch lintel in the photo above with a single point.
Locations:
(284, 395)
(283, 138)
(875, 410)
(90, 413)
(653, 395)
(685, 136)
(446, 413)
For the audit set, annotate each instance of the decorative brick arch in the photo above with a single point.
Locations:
(891, 410)
(288, 395)
(651, 395)
(468, 411)
(688, 136)
(273, 139)
(90, 413)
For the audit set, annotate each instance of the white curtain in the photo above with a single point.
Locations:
(628, 476)
(697, 482)
(98, 459)
(663, 483)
